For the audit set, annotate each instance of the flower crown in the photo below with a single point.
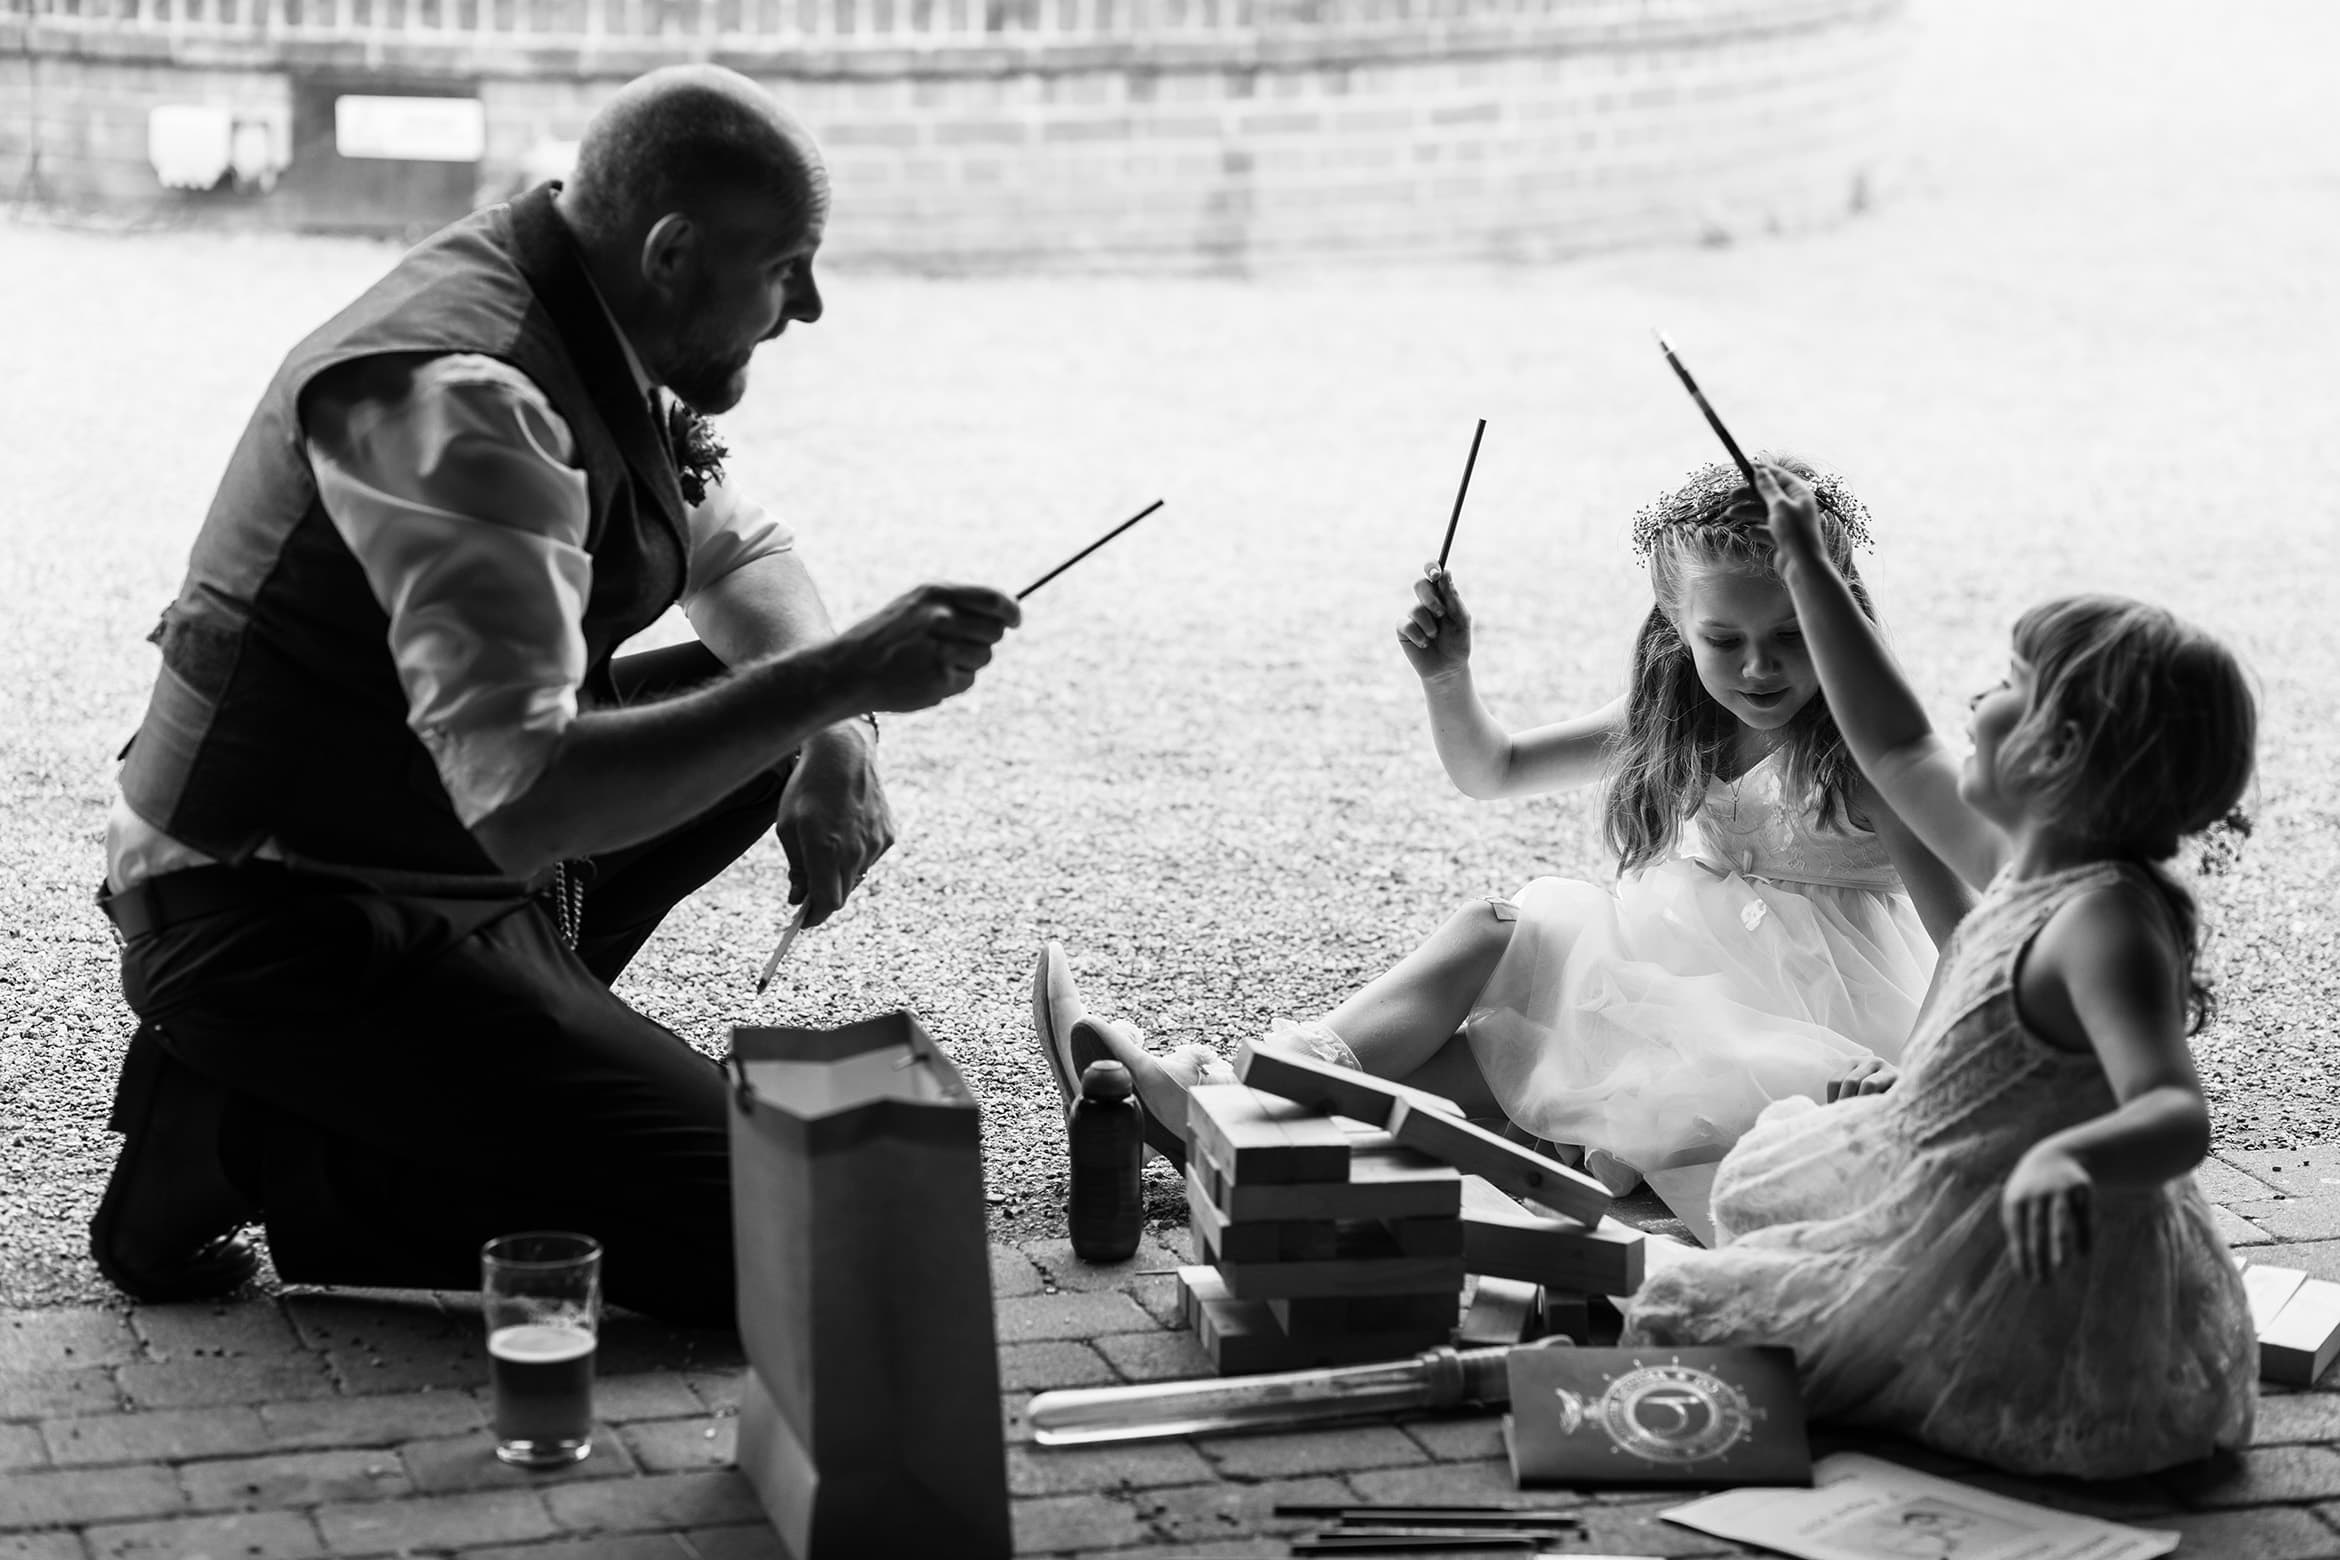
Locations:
(1694, 503)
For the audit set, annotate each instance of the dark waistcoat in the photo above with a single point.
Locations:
(278, 713)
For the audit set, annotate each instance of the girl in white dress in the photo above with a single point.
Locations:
(2005, 1255)
(1759, 941)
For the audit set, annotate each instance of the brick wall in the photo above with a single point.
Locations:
(1517, 129)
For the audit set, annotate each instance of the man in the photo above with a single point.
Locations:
(396, 816)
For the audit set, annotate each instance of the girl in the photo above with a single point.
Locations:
(2005, 1255)
(1758, 944)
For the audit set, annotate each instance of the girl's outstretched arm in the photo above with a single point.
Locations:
(1940, 895)
(1882, 721)
(1483, 760)
(2106, 974)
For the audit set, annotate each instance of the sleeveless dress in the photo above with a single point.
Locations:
(1866, 1236)
(1656, 1019)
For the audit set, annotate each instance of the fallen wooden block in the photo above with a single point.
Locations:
(1242, 1338)
(1264, 1140)
(1391, 1183)
(1502, 1310)
(1428, 1310)
(1503, 1240)
(1517, 1170)
(1343, 1091)
(1566, 1316)
(2298, 1346)
(2269, 1289)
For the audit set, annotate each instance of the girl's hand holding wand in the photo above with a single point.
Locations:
(2045, 1210)
(1436, 634)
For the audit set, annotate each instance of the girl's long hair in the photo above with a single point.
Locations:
(2140, 732)
(1676, 736)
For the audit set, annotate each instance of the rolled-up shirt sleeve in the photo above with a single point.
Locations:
(454, 484)
(726, 532)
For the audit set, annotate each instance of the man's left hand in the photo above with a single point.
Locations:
(834, 822)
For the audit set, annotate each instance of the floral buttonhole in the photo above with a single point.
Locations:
(698, 452)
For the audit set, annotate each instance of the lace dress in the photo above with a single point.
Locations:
(1866, 1236)
(1656, 1019)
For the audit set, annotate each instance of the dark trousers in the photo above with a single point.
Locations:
(410, 1076)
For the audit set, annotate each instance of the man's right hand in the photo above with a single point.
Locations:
(923, 647)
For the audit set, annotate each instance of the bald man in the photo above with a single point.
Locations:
(398, 814)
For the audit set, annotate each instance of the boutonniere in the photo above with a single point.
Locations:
(698, 453)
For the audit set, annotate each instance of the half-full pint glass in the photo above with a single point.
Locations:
(542, 1294)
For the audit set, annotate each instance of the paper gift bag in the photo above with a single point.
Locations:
(870, 1419)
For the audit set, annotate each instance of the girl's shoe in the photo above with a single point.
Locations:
(1612, 1172)
(1070, 1040)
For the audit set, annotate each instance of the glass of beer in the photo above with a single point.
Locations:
(542, 1294)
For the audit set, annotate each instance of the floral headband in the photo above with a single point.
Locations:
(1694, 504)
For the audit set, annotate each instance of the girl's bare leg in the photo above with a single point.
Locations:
(1403, 1023)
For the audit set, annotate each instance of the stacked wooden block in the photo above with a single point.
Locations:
(2297, 1319)
(1336, 1216)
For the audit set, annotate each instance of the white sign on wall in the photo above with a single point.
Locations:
(411, 129)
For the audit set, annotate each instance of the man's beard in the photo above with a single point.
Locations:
(709, 382)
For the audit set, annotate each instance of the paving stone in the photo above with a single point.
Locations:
(67, 1339)
(1633, 1526)
(45, 1394)
(1069, 1470)
(1035, 1367)
(1158, 1296)
(167, 1435)
(1157, 1356)
(2315, 1258)
(1460, 1440)
(664, 1500)
(56, 1497)
(236, 1535)
(2294, 1218)
(428, 1522)
(2261, 1476)
(1488, 1480)
(1014, 1421)
(374, 1421)
(214, 1328)
(634, 1344)
(293, 1479)
(1034, 1317)
(2297, 1416)
(606, 1546)
(641, 1395)
(446, 1464)
(1012, 1273)
(1287, 1455)
(680, 1445)
(2221, 1182)
(1076, 1524)
(2145, 1499)
(192, 1383)
(2295, 1172)
(1205, 1513)
(2269, 1533)
(52, 1545)
(2238, 1231)
(746, 1541)
(21, 1446)
(1225, 1549)
(362, 1319)
(718, 1389)
(1061, 1270)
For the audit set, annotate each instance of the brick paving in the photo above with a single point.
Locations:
(303, 1424)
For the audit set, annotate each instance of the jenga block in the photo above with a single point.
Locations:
(2269, 1290)
(1503, 1240)
(1517, 1170)
(2299, 1345)
(1343, 1091)
(1430, 1311)
(1242, 1337)
(1394, 1183)
(1365, 1267)
(1257, 1240)
(1264, 1140)
(1502, 1310)
(1566, 1316)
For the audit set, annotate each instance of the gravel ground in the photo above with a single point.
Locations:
(2080, 341)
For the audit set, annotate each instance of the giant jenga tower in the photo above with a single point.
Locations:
(1336, 1216)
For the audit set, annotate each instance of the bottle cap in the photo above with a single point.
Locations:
(1106, 1080)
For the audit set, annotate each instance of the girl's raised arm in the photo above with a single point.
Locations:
(1882, 721)
(1483, 760)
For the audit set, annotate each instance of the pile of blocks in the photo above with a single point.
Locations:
(1340, 1219)
(2297, 1319)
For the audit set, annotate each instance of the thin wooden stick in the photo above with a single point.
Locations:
(780, 950)
(1745, 469)
(1455, 519)
(1092, 547)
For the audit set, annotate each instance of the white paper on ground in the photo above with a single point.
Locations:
(1864, 1508)
(1689, 1191)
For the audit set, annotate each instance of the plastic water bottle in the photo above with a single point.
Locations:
(1106, 1206)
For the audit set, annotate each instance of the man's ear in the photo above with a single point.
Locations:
(668, 250)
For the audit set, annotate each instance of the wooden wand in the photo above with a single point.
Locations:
(1745, 469)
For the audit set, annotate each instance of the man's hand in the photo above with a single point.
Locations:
(834, 822)
(923, 647)
(1869, 1075)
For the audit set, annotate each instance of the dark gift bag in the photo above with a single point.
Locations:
(870, 1419)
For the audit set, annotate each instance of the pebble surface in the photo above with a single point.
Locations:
(2079, 341)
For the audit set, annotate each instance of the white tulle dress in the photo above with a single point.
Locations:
(1866, 1236)
(1657, 1018)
